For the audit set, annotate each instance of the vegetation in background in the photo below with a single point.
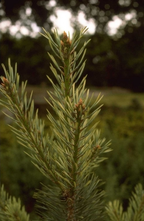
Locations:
(110, 63)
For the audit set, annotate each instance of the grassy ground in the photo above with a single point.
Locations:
(124, 99)
(119, 97)
(112, 96)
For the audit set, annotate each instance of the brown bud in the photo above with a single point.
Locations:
(68, 41)
(98, 147)
(62, 44)
(80, 101)
(5, 81)
(64, 35)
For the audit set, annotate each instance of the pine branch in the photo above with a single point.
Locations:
(10, 208)
(78, 147)
(115, 211)
(30, 129)
(135, 211)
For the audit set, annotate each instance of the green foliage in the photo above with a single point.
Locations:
(124, 169)
(123, 125)
(69, 156)
(18, 174)
(10, 208)
(135, 211)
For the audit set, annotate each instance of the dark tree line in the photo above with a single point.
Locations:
(111, 60)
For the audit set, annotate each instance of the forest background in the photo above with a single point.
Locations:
(115, 66)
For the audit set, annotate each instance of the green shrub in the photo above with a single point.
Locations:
(124, 169)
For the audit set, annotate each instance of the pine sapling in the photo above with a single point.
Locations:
(68, 155)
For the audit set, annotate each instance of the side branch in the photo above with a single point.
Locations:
(29, 131)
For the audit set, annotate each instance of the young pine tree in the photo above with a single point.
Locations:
(68, 155)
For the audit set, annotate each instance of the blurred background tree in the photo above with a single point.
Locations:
(114, 59)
